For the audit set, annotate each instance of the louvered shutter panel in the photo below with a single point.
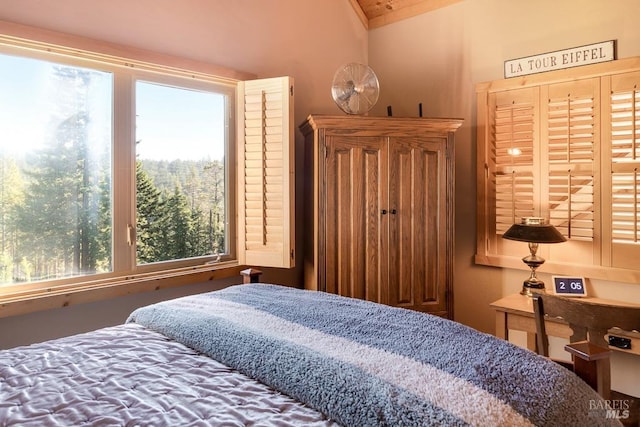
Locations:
(626, 207)
(572, 129)
(625, 163)
(512, 139)
(266, 173)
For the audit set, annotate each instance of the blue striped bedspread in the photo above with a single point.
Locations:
(366, 364)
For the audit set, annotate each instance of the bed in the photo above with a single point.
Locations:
(260, 354)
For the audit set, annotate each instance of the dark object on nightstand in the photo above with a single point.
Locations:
(619, 342)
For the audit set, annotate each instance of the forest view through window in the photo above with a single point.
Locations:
(180, 174)
(97, 157)
(55, 170)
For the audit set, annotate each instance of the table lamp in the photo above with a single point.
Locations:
(533, 230)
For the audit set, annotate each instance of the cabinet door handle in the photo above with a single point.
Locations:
(383, 211)
(393, 211)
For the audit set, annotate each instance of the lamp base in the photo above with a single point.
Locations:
(531, 286)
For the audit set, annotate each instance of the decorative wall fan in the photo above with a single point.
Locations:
(355, 88)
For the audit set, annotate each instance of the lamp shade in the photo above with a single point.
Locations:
(534, 230)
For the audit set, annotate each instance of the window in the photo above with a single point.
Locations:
(564, 145)
(180, 173)
(55, 171)
(113, 168)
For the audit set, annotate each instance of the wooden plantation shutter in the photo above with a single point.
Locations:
(624, 152)
(572, 127)
(266, 173)
(585, 169)
(512, 139)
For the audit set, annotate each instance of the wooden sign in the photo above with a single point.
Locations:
(560, 59)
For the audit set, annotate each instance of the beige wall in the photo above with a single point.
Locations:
(437, 58)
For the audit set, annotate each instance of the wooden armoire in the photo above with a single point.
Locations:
(379, 209)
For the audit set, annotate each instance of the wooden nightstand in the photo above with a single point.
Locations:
(515, 312)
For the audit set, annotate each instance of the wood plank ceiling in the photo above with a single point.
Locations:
(376, 13)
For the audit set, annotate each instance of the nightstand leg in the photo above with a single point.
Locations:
(531, 341)
(501, 325)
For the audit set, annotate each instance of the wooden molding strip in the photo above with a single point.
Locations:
(63, 296)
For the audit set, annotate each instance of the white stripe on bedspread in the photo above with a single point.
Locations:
(457, 396)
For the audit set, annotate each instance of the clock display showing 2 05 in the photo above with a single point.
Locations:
(569, 286)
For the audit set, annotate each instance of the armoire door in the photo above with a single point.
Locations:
(356, 217)
(418, 224)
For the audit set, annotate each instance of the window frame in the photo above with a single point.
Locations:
(124, 159)
(230, 169)
(148, 66)
(487, 252)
